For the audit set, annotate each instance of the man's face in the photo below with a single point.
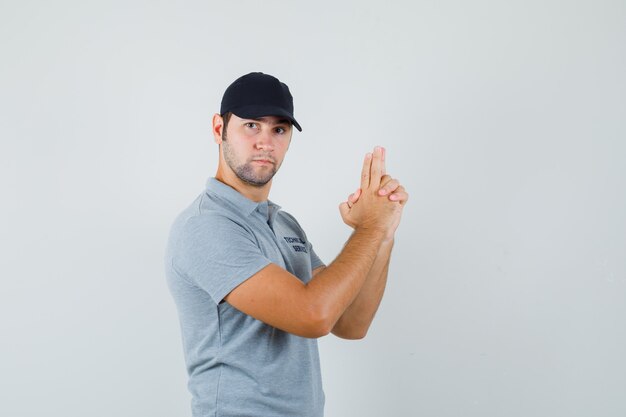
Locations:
(254, 148)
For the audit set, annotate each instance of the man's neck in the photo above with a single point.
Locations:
(251, 192)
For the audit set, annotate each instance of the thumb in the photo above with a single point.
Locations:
(344, 209)
(355, 196)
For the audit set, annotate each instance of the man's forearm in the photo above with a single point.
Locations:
(336, 287)
(356, 320)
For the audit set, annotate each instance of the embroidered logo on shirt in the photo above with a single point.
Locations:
(297, 248)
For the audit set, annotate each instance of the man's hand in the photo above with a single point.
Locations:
(388, 186)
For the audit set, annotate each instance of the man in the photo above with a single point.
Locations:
(252, 295)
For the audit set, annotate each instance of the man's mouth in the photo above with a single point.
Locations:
(263, 161)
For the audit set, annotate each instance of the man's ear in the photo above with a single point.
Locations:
(218, 126)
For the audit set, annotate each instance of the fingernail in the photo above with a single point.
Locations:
(368, 155)
(382, 192)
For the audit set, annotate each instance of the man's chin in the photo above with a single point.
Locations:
(256, 177)
(257, 184)
(255, 181)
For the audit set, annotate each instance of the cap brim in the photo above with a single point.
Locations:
(255, 111)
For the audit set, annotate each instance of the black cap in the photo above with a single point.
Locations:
(256, 95)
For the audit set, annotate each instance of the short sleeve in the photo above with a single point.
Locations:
(217, 254)
(316, 262)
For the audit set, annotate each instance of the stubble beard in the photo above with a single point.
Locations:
(246, 171)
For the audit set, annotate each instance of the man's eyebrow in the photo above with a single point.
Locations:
(268, 120)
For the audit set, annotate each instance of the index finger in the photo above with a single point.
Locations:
(376, 170)
(365, 172)
(384, 165)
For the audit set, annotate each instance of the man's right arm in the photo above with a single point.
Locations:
(278, 298)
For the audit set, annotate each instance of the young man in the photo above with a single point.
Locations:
(252, 295)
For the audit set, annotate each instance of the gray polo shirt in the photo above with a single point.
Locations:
(237, 365)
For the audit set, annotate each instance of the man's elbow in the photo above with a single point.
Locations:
(316, 324)
(350, 333)
(313, 331)
(320, 324)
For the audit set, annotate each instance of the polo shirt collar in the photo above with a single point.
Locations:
(243, 204)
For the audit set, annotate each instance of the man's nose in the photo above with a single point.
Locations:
(264, 140)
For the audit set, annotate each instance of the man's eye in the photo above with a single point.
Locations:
(251, 125)
(280, 130)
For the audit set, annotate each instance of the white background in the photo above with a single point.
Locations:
(505, 120)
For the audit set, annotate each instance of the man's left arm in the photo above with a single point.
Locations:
(356, 320)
